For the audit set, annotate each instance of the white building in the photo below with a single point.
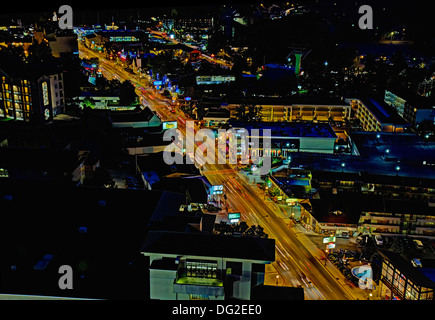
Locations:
(201, 266)
(57, 93)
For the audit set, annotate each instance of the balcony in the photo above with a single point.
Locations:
(390, 221)
(206, 285)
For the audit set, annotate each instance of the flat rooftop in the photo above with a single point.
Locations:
(382, 111)
(414, 157)
(406, 147)
(209, 245)
(290, 129)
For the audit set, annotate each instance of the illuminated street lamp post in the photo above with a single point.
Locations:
(397, 170)
(342, 166)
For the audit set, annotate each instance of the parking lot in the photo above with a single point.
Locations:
(352, 252)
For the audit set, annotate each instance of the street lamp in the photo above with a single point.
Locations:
(397, 170)
(342, 166)
(277, 278)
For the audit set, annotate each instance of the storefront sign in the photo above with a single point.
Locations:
(329, 239)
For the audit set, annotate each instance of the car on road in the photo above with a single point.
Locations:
(416, 263)
(378, 239)
(418, 244)
(193, 207)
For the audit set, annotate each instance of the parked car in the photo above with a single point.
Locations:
(418, 244)
(193, 207)
(379, 240)
(416, 263)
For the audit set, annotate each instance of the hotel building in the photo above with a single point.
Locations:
(31, 98)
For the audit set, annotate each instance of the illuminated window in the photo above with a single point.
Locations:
(45, 94)
(4, 173)
(201, 269)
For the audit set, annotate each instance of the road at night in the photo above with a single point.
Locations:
(295, 264)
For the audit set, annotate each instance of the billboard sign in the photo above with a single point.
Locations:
(217, 189)
(169, 125)
(234, 215)
(330, 245)
(158, 82)
(329, 239)
(92, 80)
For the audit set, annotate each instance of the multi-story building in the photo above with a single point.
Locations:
(62, 43)
(31, 96)
(400, 280)
(221, 267)
(399, 217)
(287, 138)
(306, 109)
(57, 93)
(376, 116)
(412, 107)
(125, 39)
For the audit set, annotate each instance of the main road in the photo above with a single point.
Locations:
(296, 265)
